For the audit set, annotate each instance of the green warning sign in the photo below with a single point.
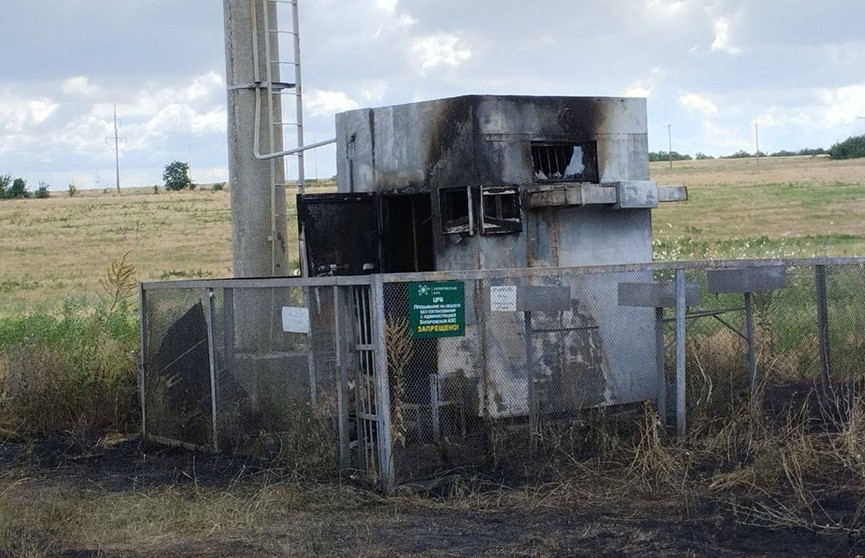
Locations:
(437, 309)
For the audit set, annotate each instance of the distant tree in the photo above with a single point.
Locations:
(851, 148)
(72, 190)
(702, 156)
(5, 181)
(43, 191)
(741, 154)
(18, 190)
(176, 176)
(664, 156)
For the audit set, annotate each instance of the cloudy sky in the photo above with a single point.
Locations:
(712, 68)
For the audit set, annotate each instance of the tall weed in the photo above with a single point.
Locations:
(73, 368)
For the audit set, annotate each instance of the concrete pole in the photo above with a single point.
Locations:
(116, 151)
(257, 187)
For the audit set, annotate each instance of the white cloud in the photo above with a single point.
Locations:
(643, 87)
(638, 88)
(726, 140)
(202, 86)
(78, 85)
(721, 27)
(698, 103)
(373, 91)
(843, 105)
(386, 5)
(19, 113)
(439, 49)
(328, 103)
(39, 110)
(665, 7)
(181, 117)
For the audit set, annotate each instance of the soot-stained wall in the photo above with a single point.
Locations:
(486, 141)
(480, 141)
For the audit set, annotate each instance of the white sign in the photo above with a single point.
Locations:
(295, 320)
(503, 299)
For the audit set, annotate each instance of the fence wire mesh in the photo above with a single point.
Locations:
(544, 364)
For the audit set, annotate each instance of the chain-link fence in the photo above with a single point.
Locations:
(407, 377)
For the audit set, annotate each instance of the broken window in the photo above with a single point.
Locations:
(571, 162)
(500, 210)
(456, 210)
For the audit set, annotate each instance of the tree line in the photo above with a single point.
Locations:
(17, 189)
(851, 148)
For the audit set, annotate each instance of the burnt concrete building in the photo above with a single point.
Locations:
(502, 182)
(488, 182)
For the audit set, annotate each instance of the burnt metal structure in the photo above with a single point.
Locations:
(505, 182)
(490, 182)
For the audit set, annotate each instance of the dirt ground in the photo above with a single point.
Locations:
(121, 485)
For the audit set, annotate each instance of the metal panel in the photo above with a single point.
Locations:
(341, 233)
(672, 193)
(656, 295)
(543, 299)
(746, 279)
(635, 194)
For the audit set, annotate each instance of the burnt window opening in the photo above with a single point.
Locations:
(565, 162)
(500, 210)
(457, 215)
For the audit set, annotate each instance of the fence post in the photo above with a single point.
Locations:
(749, 334)
(310, 296)
(434, 406)
(530, 390)
(142, 364)
(382, 386)
(481, 296)
(681, 422)
(823, 328)
(341, 319)
(660, 351)
(211, 354)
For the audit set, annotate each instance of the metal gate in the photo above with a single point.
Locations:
(364, 397)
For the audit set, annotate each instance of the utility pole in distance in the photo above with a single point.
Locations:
(117, 139)
(669, 128)
(757, 140)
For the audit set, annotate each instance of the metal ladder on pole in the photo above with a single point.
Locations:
(275, 66)
(273, 88)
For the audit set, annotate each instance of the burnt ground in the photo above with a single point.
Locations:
(589, 520)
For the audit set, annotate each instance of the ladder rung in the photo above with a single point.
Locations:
(282, 1)
(277, 31)
(280, 85)
(286, 124)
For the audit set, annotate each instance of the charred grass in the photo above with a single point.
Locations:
(781, 473)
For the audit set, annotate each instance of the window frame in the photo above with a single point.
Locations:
(589, 160)
(498, 223)
(449, 223)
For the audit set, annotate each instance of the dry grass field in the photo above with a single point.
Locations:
(60, 247)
